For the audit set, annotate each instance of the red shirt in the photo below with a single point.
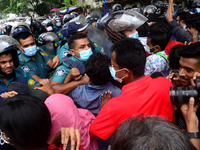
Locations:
(145, 96)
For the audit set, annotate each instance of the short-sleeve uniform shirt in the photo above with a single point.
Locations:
(63, 70)
(30, 67)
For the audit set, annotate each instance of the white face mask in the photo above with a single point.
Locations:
(49, 28)
(113, 74)
(148, 50)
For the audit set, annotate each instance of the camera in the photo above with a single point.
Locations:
(180, 95)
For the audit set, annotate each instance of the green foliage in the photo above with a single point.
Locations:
(42, 9)
(4, 16)
(74, 2)
(40, 6)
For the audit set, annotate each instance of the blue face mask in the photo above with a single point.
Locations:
(134, 35)
(58, 24)
(198, 10)
(84, 55)
(30, 51)
(113, 74)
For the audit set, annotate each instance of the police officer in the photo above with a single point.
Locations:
(116, 7)
(79, 52)
(34, 62)
(115, 30)
(48, 25)
(66, 18)
(8, 62)
(69, 29)
(93, 17)
(58, 26)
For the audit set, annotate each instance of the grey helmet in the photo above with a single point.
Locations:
(19, 24)
(117, 7)
(10, 44)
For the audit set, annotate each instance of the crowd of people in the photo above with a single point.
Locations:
(128, 79)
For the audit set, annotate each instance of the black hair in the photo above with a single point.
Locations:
(74, 37)
(143, 30)
(174, 56)
(183, 15)
(22, 36)
(193, 21)
(26, 120)
(160, 34)
(130, 54)
(191, 51)
(97, 68)
(149, 133)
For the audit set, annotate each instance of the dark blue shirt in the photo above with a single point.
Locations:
(89, 97)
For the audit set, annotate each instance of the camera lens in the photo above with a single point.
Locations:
(179, 95)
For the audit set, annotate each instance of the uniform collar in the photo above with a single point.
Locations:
(11, 79)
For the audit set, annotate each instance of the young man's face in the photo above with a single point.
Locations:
(80, 45)
(27, 42)
(120, 73)
(150, 45)
(188, 66)
(6, 64)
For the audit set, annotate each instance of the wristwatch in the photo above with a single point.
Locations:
(194, 135)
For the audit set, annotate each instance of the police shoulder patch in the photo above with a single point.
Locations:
(60, 72)
(95, 44)
(31, 82)
(65, 53)
(44, 54)
(25, 68)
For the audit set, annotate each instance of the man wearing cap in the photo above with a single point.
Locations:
(69, 29)
(33, 62)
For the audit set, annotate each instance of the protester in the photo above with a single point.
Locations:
(122, 82)
(28, 124)
(178, 26)
(65, 114)
(174, 57)
(140, 95)
(89, 95)
(139, 133)
(158, 38)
